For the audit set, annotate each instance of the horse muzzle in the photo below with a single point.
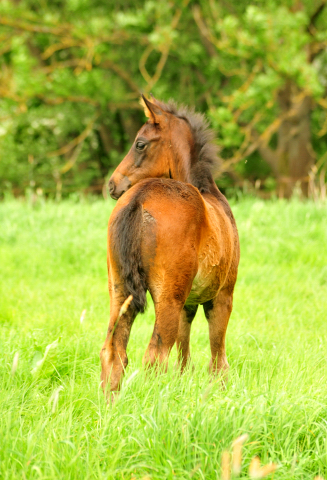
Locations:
(118, 186)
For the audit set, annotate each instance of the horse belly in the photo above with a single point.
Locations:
(215, 258)
(201, 291)
(209, 276)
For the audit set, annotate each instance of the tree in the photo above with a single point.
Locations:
(273, 59)
(71, 73)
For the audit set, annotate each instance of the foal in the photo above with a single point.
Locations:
(172, 233)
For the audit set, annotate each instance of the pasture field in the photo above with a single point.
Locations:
(54, 423)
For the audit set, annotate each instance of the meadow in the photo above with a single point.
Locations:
(54, 422)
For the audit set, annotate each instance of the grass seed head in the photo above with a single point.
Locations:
(237, 453)
(267, 469)
(15, 364)
(225, 466)
(254, 468)
(55, 398)
(82, 316)
(256, 471)
(125, 305)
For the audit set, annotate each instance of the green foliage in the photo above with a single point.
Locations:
(63, 64)
(53, 266)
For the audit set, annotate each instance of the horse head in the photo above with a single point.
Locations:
(160, 150)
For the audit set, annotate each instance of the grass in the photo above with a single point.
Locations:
(55, 423)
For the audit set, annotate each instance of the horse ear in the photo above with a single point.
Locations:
(154, 113)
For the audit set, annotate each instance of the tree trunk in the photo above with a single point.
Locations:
(292, 160)
(294, 150)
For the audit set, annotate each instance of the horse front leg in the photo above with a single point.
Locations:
(113, 353)
(217, 312)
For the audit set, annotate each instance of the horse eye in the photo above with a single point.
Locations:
(140, 146)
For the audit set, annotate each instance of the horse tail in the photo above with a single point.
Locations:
(125, 241)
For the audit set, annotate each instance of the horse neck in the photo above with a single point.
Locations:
(186, 169)
(180, 167)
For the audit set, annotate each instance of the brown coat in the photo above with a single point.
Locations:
(172, 233)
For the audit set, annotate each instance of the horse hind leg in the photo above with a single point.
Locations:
(171, 325)
(183, 336)
(164, 334)
(217, 312)
(113, 353)
(173, 264)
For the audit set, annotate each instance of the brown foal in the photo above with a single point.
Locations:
(172, 233)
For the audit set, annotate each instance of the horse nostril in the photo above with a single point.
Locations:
(111, 186)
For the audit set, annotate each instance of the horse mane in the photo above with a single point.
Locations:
(205, 163)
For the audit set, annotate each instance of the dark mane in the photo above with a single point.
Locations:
(205, 163)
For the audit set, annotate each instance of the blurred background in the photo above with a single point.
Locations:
(71, 72)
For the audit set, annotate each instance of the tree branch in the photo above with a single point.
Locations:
(314, 17)
(151, 81)
(317, 47)
(124, 106)
(65, 43)
(270, 156)
(263, 139)
(71, 162)
(223, 45)
(34, 28)
(76, 141)
(59, 100)
(108, 64)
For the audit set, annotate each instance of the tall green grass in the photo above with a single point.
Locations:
(55, 423)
